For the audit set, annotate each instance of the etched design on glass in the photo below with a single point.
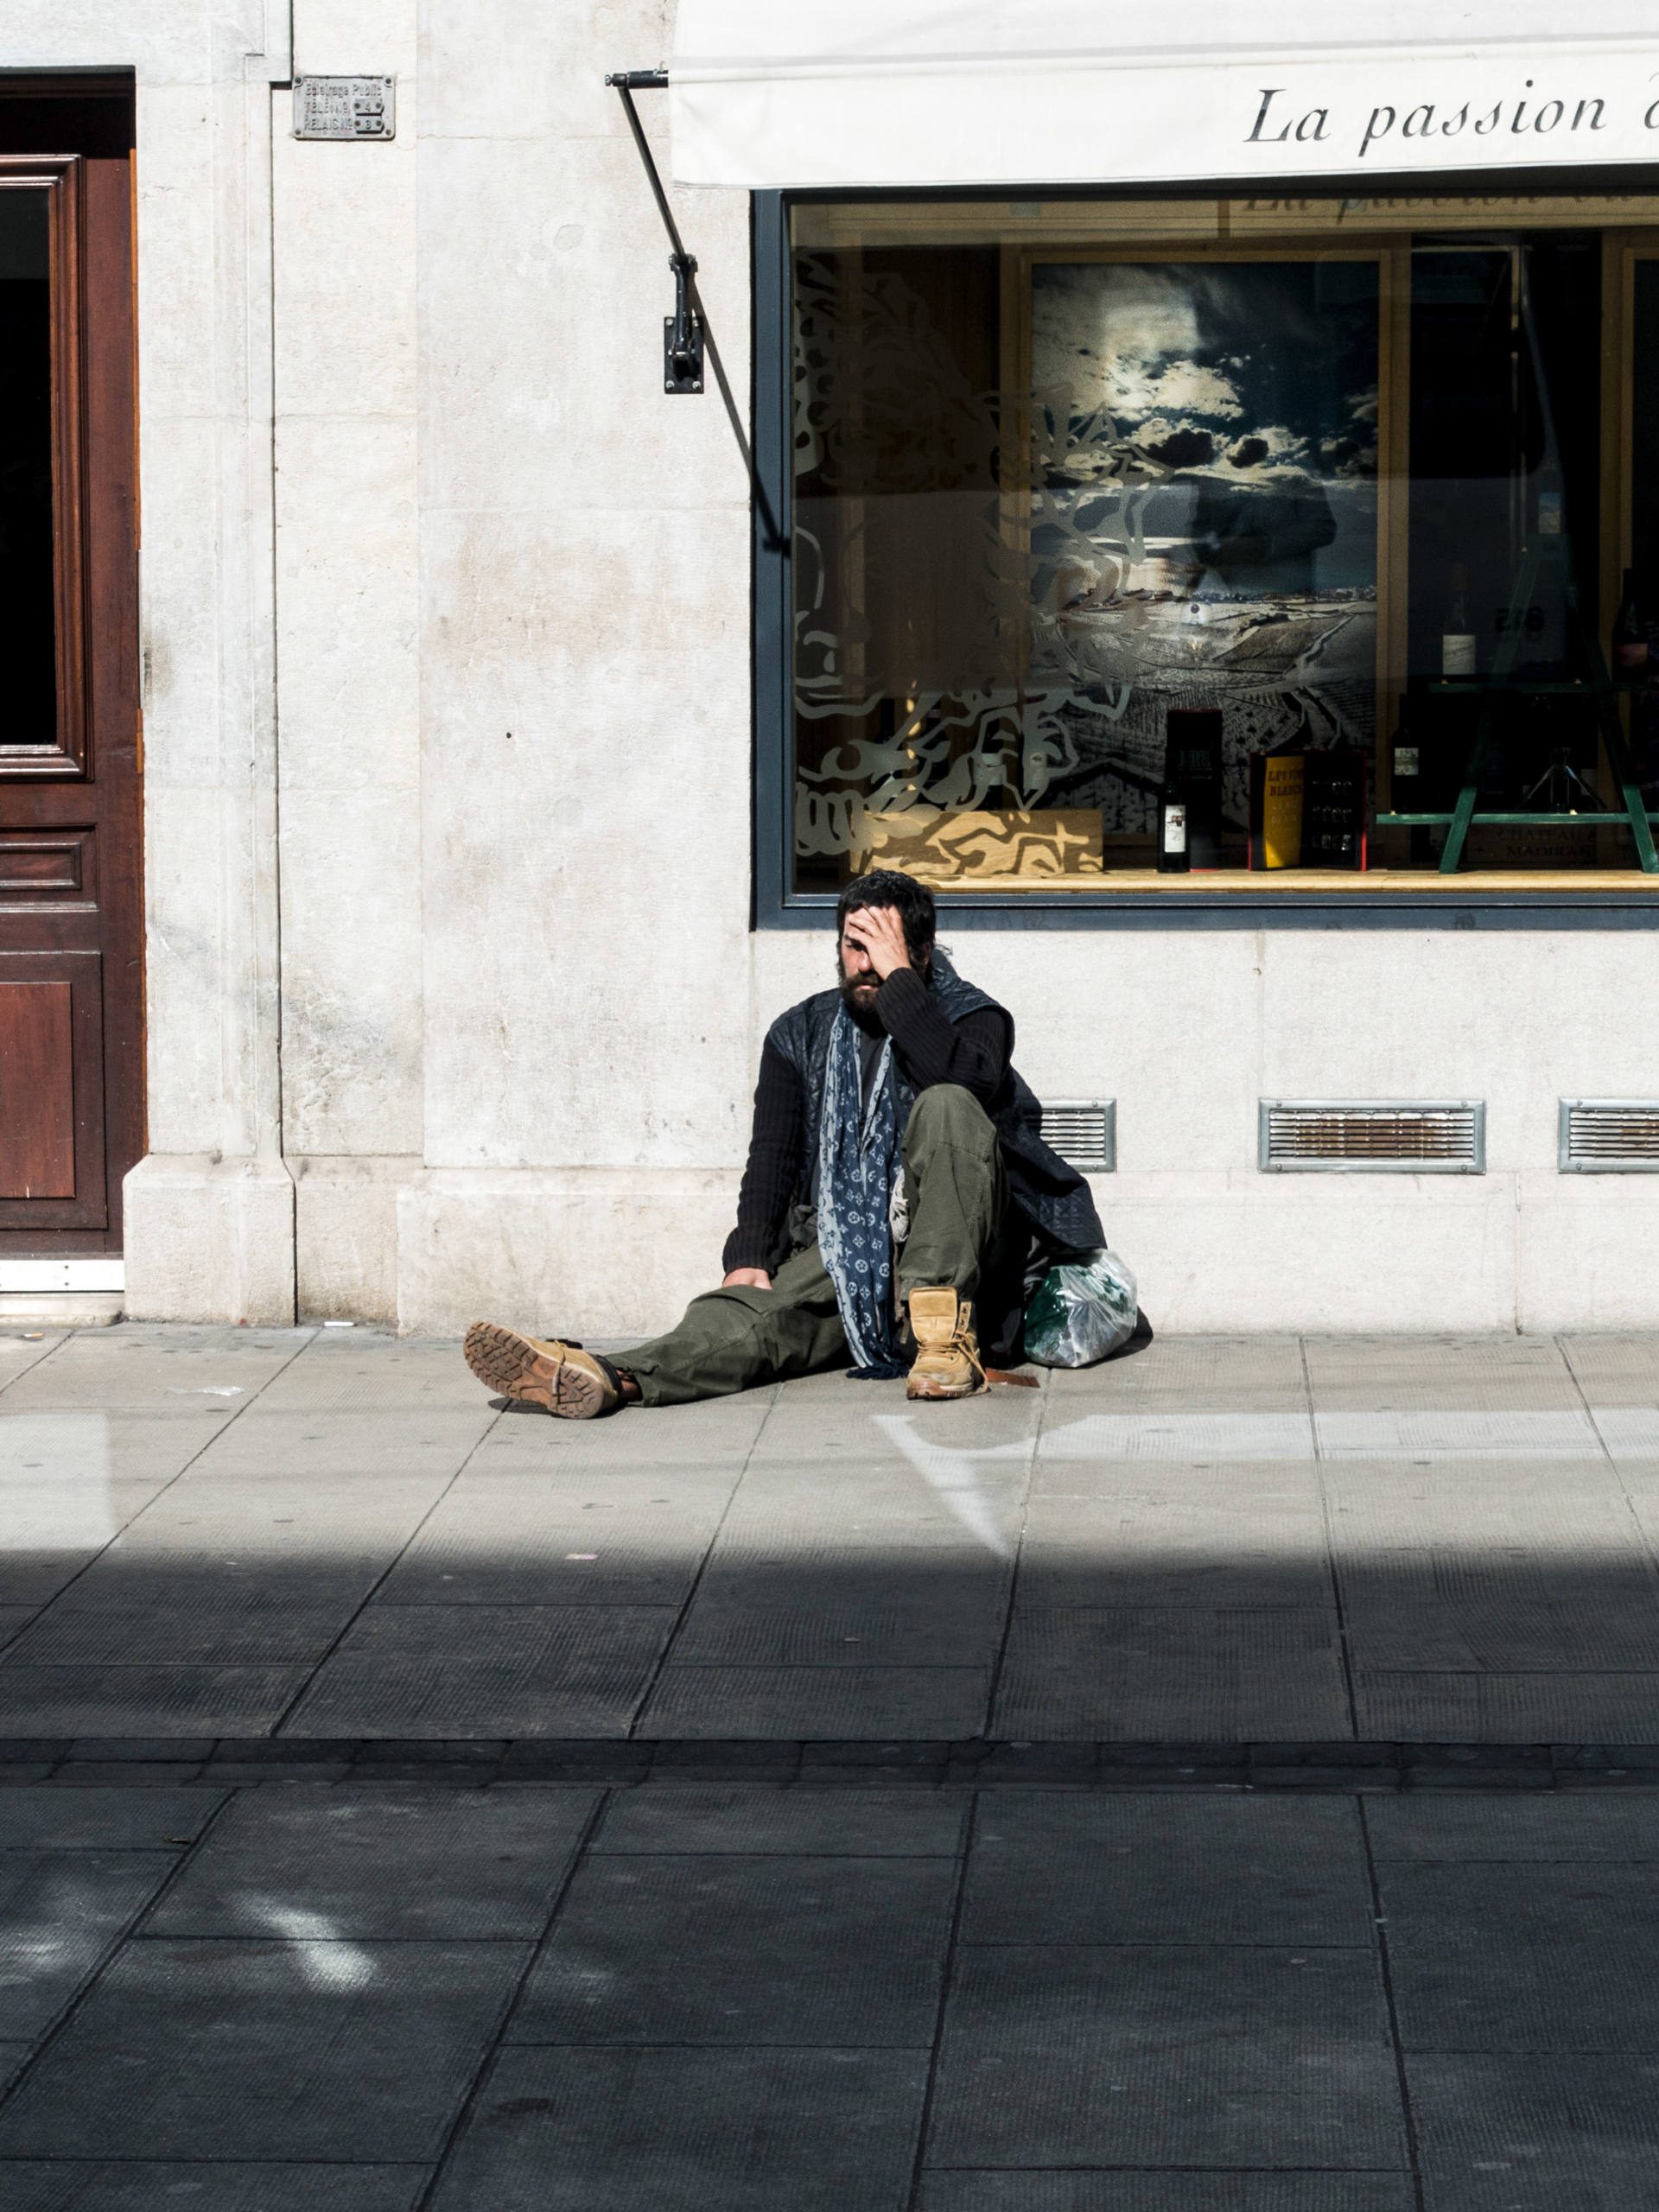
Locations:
(1000, 593)
(913, 583)
(1203, 518)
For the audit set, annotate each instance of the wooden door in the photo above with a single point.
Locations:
(71, 942)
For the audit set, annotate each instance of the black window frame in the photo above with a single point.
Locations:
(777, 905)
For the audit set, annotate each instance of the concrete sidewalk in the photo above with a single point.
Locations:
(1223, 1782)
(237, 1534)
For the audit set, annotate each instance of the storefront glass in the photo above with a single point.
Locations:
(1290, 542)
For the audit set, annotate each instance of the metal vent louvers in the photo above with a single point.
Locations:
(1610, 1136)
(1084, 1131)
(1373, 1136)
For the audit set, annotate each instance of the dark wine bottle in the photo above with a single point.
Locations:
(1629, 631)
(1457, 631)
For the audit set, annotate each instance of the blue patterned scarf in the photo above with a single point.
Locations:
(859, 1163)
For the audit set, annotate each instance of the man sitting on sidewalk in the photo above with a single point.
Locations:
(887, 1119)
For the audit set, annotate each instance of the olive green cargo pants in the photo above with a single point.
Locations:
(731, 1340)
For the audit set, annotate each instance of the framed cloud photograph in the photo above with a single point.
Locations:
(1207, 516)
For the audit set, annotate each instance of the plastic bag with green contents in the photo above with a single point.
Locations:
(1083, 1308)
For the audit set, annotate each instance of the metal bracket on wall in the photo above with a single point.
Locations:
(686, 335)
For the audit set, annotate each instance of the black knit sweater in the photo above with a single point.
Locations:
(930, 1048)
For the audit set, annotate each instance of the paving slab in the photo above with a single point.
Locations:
(1488, 1373)
(253, 2051)
(360, 1371)
(1255, 1537)
(85, 1630)
(1146, 2191)
(1543, 1707)
(701, 2131)
(73, 1447)
(21, 1349)
(1568, 1830)
(104, 1819)
(837, 1702)
(716, 1432)
(62, 1914)
(936, 1628)
(87, 2185)
(1163, 2056)
(1536, 2134)
(1474, 1612)
(357, 1862)
(509, 1540)
(725, 1949)
(658, 1821)
(1054, 1868)
(486, 1671)
(156, 1699)
(326, 1443)
(1180, 1674)
(1618, 1368)
(142, 1366)
(1248, 1373)
(1523, 1957)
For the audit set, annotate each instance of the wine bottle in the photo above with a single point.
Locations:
(1457, 631)
(1629, 631)
(1174, 858)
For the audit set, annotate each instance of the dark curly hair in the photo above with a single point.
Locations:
(911, 902)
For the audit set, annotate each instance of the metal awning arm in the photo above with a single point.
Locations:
(686, 332)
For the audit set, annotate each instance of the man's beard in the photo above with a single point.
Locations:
(860, 1007)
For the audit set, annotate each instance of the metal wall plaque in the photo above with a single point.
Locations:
(345, 107)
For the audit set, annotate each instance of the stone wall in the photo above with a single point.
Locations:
(453, 1005)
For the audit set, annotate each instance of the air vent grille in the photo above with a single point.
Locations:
(1610, 1136)
(1084, 1131)
(1430, 1136)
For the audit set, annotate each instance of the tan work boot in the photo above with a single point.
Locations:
(564, 1378)
(947, 1352)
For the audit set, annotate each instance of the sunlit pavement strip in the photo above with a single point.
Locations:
(1225, 1779)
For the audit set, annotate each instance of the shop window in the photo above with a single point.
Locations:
(1236, 544)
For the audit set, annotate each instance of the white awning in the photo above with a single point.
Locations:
(867, 93)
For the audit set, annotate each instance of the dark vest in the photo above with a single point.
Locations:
(1053, 1198)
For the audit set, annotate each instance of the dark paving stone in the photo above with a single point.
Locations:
(1165, 2056)
(1152, 2192)
(695, 2130)
(1527, 1708)
(938, 1629)
(487, 1670)
(818, 1701)
(86, 1635)
(1576, 1830)
(361, 1862)
(1225, 1677)
(61, 1913)
(248, 2050)
(1071, 1868)
(1472, 1616)
(170, 1701)
(751, 1951)
(1536, 2134)
(104, 1819)
(868, 1824)
(75, 2185)
(1517, 1957)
